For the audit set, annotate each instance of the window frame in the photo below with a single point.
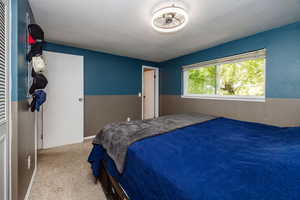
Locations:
(217, 62)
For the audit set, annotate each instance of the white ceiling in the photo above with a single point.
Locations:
(123, 27)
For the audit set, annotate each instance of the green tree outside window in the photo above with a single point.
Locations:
(246, 78)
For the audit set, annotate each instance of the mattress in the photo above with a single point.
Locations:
(219, 159)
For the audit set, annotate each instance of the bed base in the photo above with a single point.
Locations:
(111, 187)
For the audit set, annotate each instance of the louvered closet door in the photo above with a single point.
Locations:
(4, 158)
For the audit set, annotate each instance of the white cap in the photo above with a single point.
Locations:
(38, 64)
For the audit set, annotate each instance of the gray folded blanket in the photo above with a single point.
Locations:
(115, 138)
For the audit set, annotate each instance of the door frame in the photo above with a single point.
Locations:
(156, 102)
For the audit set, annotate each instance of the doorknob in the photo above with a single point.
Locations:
(80, 99)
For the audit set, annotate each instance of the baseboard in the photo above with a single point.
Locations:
(89, 137)
(30, 184)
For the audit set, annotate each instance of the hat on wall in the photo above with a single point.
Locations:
(39, 97)
(36, 32)
(38, 64)
(39, 82)
(31, 41)
(36, 50)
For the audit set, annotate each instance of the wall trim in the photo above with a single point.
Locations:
(30, 184)
(89, 137)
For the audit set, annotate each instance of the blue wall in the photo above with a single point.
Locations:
(19, 8)
(106, 74)
(14, 50)
(282, 67)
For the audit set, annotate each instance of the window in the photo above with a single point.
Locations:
(240, 77)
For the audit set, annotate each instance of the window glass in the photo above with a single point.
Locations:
(242, 78)
(202, 80)
(234, 78)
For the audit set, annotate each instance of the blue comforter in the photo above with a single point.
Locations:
(221, 159)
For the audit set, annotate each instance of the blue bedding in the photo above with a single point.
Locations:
(221, 159)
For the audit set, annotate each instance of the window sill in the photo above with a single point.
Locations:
(226, 98)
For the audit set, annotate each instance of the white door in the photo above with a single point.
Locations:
(149, 94)
(4, 136)
(63, 110)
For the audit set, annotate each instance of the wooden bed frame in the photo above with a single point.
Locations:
(111, 187)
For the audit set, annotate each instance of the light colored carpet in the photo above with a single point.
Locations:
(64, 174)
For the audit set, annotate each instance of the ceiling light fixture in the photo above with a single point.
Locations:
(169, 19)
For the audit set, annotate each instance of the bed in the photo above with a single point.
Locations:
(218, 159)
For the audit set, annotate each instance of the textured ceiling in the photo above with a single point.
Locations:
(123, 27)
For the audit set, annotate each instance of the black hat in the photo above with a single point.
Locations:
(36, 32)
(36, 50)
(39, 82)
(33, 73)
